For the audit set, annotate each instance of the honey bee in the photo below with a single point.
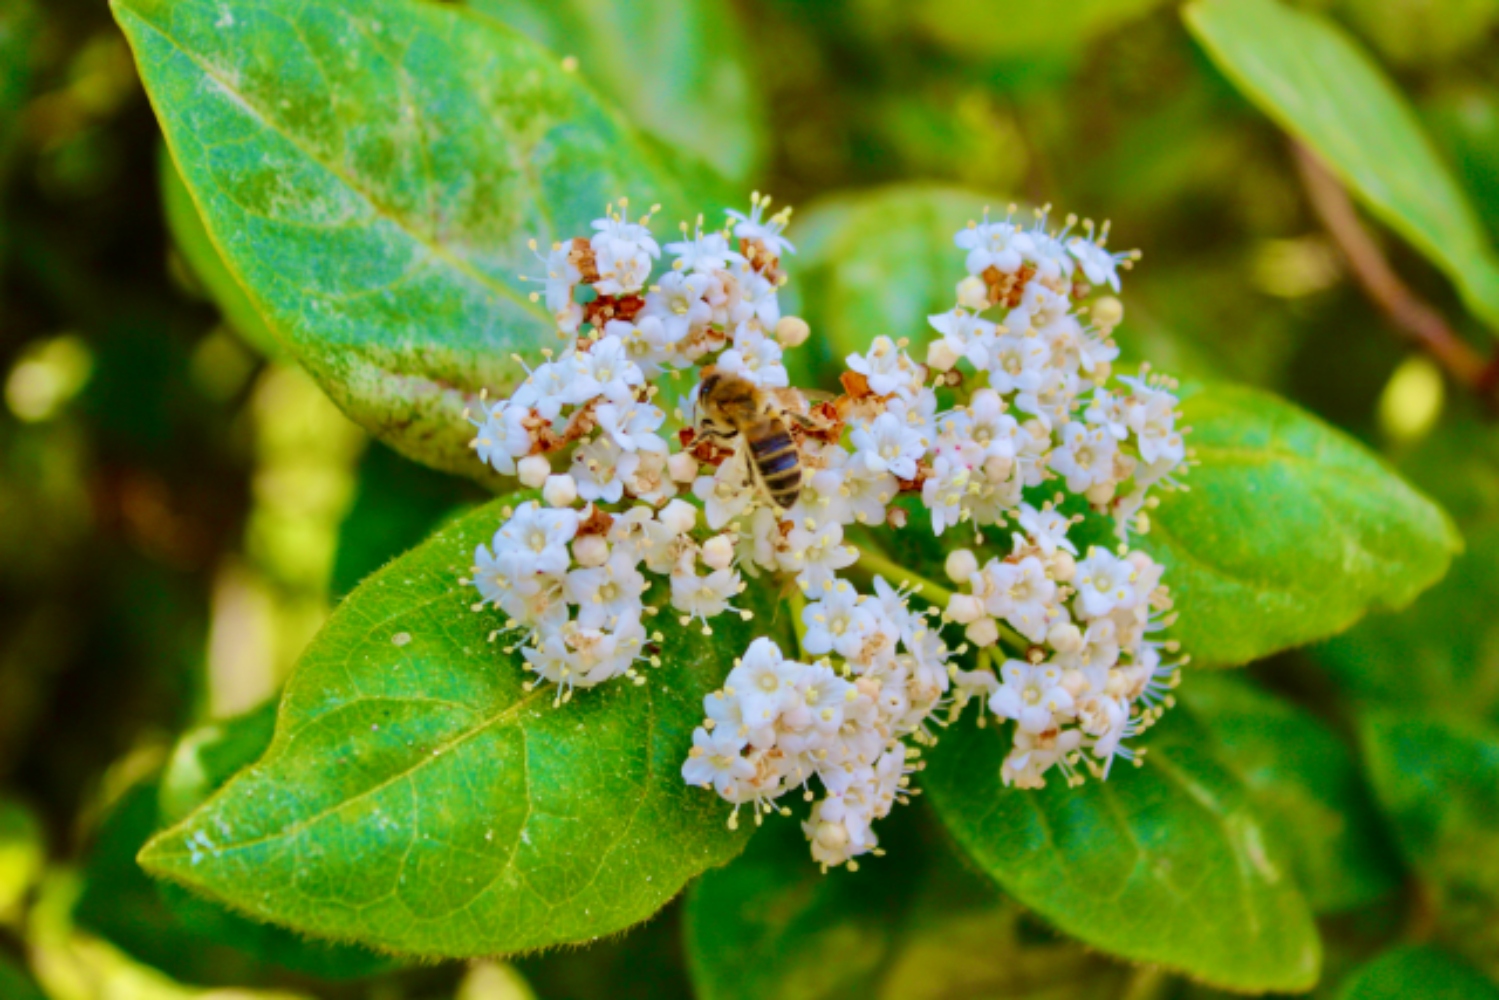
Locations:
(731, 409)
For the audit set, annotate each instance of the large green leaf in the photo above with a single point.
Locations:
(916, 925)
(1290, 531)
(1306, 787)
(1166, 864)
(198, 251)
(371, 171)
(1416, 973)
(677, 68)
(1319, 85)
(1439, 783)
(417, 797)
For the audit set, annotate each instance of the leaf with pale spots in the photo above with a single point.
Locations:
(370, 173)
(1290, 530)
(418, 798)
(1167, 864)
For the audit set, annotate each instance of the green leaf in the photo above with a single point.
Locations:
(16, 983)
(1166, 864)
(1306, 788)
(419, 798)
(677, 69)
(1416, 973)
(207, 757)
(916, 925)
(973, 28)
(1320, 86)
(1442, 653)
(198, 251)
(879, 262)
(190, 938)
(371, 171)
(1290, 531)
(1438, 782)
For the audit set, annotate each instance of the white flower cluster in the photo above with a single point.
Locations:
(641, 517)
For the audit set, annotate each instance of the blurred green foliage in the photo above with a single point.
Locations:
(179, 509)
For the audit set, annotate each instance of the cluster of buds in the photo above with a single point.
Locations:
(640, 514)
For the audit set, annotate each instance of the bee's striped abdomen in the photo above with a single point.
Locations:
(777, 460)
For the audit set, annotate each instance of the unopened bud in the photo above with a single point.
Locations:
(718, 552)
(1063, 566)
(961, 565)
(1065, 637)
(591, 550)
(1108, 312)
(973, 293)
(678, 517)
(984, 632)
(533, 470)
(965, 609)
(792, 331)
(682, 467)
(941, 355)
(560, 491)
(997, 468)
(832, 836)
(1100, 493)
(896, 517)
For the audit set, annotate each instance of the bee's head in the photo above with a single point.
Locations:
(709, 383)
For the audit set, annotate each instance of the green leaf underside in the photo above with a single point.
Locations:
(1416, 973)
(697, 95)
(1438, 782)
(1317, 84)
(916, 925)
(1166, 864)
(418, 799)
(192, 241)
(371, 172)
(1290, 530)
(1306, 788)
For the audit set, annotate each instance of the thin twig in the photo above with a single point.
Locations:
(1415, 318)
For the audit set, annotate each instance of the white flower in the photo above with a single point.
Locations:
(889, 445)
(562, 276)
(727, 493)
(816, 556)
(1016, 363)
(999, 245)
(767, 231)
(885, 366)
(1020, 593)
(1031, 694)
(1098, 264)
(755, 357)
(1085, 457)
(649, 342)
(503, 438)
(836, 623)
(967, 334)
(1049, 256)
(534, 539)
(867, 492)
(1034, 754)
(990, 427)
(624, 268)
(606, 593)
(703, 597)
(1110, 412)
(1040, 308)
(605, 369)
(945, 492)
(631, 424)
(757, 300)
(679, 303)
(704, 252)
(1103, 583)
(1153, 419)
(1047, 528)
(600, 469)
(715, 760)
(763, 681)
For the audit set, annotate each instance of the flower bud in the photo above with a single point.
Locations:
(961, 565)
(984, 632)
(965, 609)
(559, 491)
(1100, 493)
(941, 355)
(679, 516)
(832, 836)
(997, 468)
(1063, 566)
(718, 552)
(1108, 312)
(792, 331)
(682, 467)
(896, 517)
(1065, 637)
(590, 550)
(533, 470)
(973, 293)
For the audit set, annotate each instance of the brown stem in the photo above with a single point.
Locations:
(1415, 318)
